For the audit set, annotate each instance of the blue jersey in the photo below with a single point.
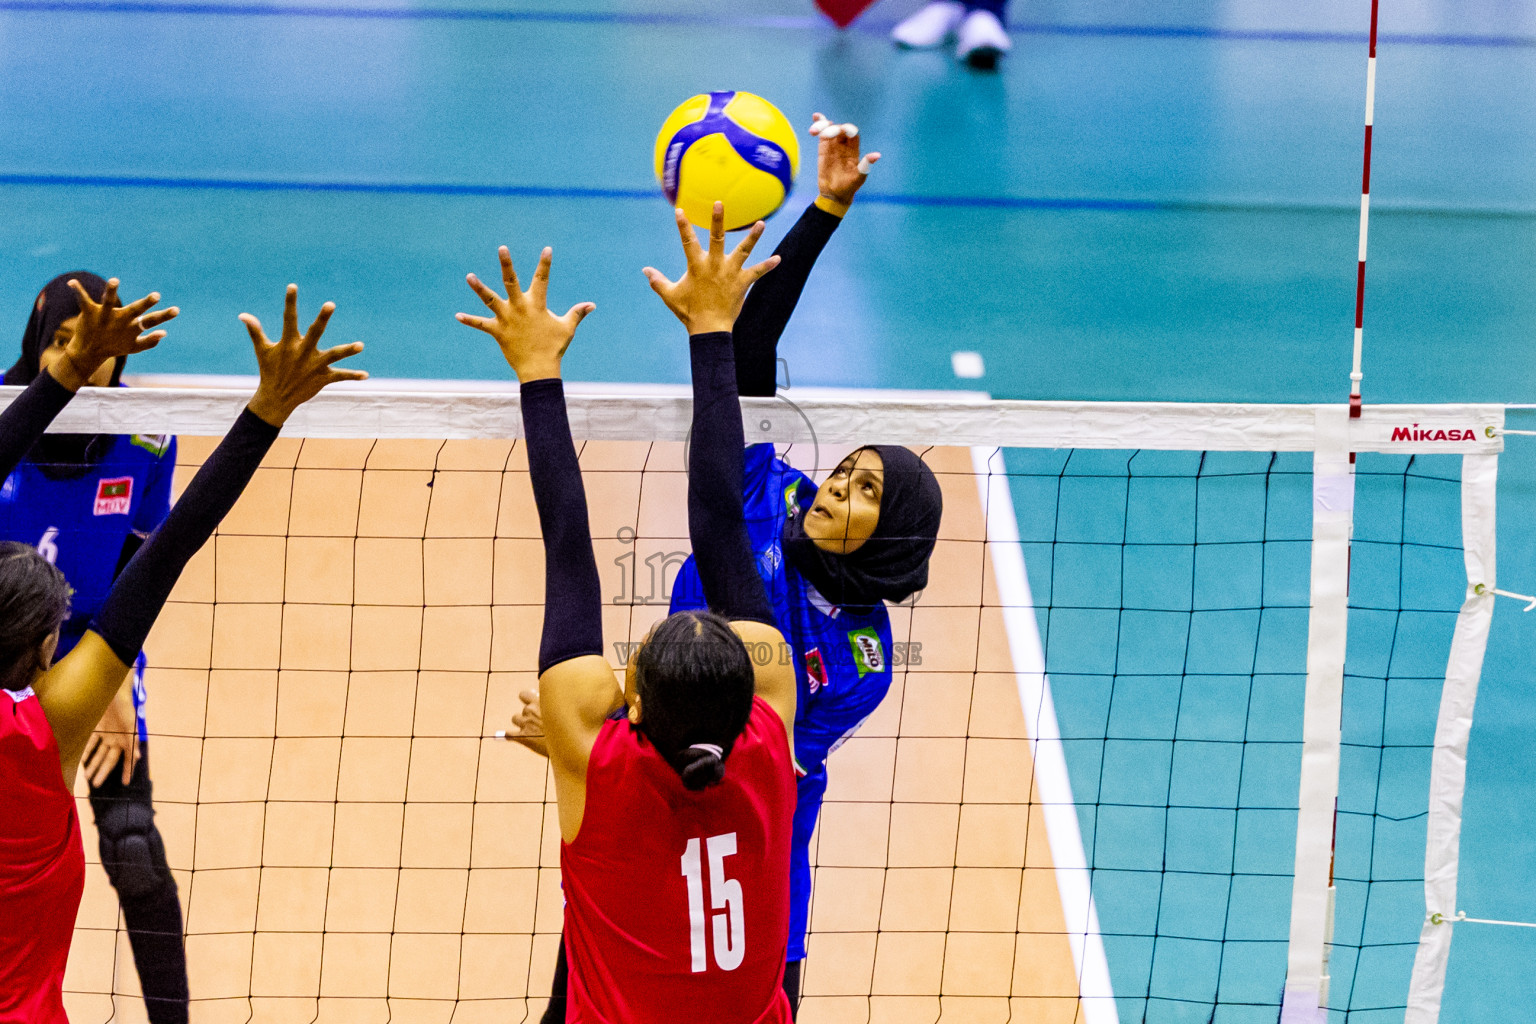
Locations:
(842, 658)
(80, 524)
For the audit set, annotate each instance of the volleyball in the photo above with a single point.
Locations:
(731, 147)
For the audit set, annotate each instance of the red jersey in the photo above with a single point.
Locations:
(42, 865)
(677, 902)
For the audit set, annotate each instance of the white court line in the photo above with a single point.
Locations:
(1061, 825)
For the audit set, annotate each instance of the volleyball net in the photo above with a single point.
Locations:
(1162, 644)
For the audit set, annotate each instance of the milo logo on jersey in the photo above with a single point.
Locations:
(868, 652)
(155, 444)
(791, 500)
(114, 496)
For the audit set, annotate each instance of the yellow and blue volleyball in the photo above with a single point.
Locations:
(730, 147)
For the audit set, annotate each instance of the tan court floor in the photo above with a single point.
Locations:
(349, 846)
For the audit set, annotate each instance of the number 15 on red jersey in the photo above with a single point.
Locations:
(725, 898)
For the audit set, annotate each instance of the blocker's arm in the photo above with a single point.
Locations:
(573, 600)
(577, 686)
(717, 524)
(708, 299)
(76, 691)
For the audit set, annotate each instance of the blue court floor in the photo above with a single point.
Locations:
(1151, 200)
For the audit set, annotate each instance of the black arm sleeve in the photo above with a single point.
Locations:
(147, 580)
(772, 300)
(573, 600)
(24, 420)
(131, 545)
(717, 522)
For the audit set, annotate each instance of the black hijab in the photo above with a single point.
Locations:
(892, 564)
(60, 455)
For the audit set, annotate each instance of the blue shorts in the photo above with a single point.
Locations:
(812, 790)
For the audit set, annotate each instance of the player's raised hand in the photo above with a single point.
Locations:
(840, 171)
(709, 295)
(106, 330)
(532, 339)
(294, 368)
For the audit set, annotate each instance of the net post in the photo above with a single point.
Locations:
(1448, 763)
(1365, 220)
(1333, 499)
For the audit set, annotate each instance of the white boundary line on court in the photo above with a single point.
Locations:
(1097, 997)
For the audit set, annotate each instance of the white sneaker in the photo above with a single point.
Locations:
(934, 25)
(982, 40)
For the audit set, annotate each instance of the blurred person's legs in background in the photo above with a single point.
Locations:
(976, 27)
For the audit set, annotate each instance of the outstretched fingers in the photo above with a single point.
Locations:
(158, 317)
(691, 249)
(717, 229)
(291, 312)
(539, 293)
(149, 337)
(295, 368)
(745, 246)
(762, 268)
(258, 336)
(479, 323)
(83, 297)
(508, 274)
(141, 306)
(660, 283)
(317, 328)
(487, 296)
(329, 357)
(577, 313)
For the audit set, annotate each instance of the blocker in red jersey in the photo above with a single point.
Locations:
(677, 790)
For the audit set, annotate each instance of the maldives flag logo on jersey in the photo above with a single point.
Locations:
(815, 668)
(114, 496)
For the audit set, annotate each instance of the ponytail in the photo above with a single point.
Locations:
(702, 765)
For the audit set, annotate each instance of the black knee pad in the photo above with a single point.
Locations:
(131, 849)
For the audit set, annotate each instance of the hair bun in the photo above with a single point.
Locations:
(701, 766)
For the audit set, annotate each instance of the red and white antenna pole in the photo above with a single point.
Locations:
(1355, 374)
